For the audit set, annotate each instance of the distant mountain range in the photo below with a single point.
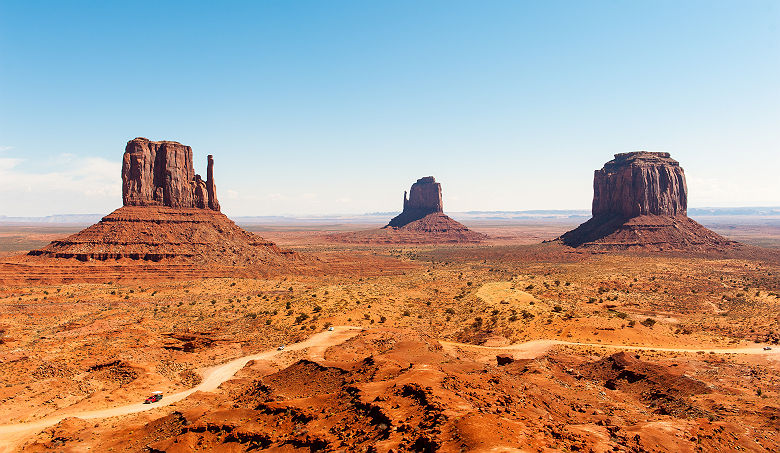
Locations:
(383, 217)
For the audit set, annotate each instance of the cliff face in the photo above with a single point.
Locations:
(425, 195)
(161, 174)
(640, 183)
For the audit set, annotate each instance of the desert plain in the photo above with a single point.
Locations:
(510, 344)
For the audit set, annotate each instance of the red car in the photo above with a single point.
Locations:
(156, 396)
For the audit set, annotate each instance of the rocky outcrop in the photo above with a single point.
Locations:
(424, 198)
(211, 189)
(169, 214)
(640, 201)
(640, 183)
(162, 174)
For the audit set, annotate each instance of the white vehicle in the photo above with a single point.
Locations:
(767, 348)
(330, 329)
(280, 348)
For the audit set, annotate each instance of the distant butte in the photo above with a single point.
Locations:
(640, 201)
(169, 213)
(424, 199)
(422, 221)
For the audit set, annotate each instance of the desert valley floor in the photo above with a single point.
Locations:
(507, 345)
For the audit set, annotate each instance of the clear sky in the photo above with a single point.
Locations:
(338, 106)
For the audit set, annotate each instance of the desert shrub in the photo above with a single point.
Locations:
(621, 315)
(529, 287)
(317, 309)
(557, 309)
(406, 313)
(382, 319)
(300, 318)
(649, 322)
(449, 311)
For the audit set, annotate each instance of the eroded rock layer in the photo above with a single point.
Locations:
(653, 232)
(156, 233)
(436, 228)
(640, 201)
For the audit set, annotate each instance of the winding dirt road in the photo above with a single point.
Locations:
(11, 436)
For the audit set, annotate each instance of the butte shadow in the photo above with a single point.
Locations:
(422, 221)
(170, 214)
(640, 201)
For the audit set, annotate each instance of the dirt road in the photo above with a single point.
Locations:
(13, 435)
(535, 348)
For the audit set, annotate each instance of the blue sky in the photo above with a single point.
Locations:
(337, 107)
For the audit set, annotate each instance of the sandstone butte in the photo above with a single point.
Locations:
(640, 201)
(169, 213)
(422, 221)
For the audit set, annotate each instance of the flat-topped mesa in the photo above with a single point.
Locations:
(161, 174)
(640, 201)
(640, 183)
(424, 198)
